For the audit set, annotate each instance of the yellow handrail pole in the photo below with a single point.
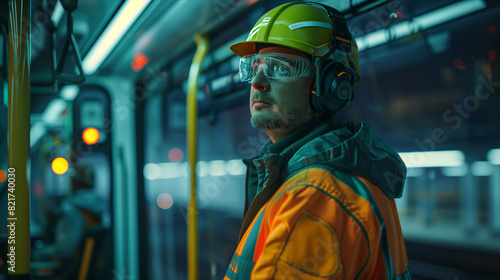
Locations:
(18, 218)
(192, 118)
(86, 258)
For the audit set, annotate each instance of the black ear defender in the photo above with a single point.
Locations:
(332, 89)
(336, 87)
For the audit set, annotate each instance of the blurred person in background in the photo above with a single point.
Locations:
(80, 212)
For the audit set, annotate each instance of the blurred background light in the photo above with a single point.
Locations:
(458, 63)
(3, 176)
(450, 12)
(433, 159)
(119, 25)
(492, 55)
(414, 172)
(152, 171)
(69, 92)
(37, 131)
(439, 41)
(481, 168)
(492, 29)
(217, 168)
(60, 165)
(54, 110)
(236, 167)
(175, 155)
(164, 201)
(494, 156)
(455, 171)
(57, 13)
(138, 61)
(202, 168)
(422, 22)
(90, 136)
(171, 170)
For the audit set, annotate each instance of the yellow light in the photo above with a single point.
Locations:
(60, 165)
(90, 136)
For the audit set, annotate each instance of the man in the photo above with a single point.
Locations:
(320, 195)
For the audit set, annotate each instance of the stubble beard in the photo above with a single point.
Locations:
(282, 120)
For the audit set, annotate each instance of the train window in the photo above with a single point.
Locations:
(220, 195)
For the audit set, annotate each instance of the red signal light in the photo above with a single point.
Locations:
(139, 61)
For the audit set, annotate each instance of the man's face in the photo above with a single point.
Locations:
(279, 104)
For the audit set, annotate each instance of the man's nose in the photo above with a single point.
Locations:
(260, 82)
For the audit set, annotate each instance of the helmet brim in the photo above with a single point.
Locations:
(248, 48)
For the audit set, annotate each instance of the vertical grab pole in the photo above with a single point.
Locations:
(18, 218)
(192, 118)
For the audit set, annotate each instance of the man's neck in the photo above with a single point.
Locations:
(279, 133)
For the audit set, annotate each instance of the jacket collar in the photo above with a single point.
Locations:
(287, 146)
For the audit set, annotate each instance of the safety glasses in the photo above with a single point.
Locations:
(275, 66)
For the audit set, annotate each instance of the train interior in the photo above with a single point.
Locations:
(108, 130)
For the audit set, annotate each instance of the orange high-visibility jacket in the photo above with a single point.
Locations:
(322, 207)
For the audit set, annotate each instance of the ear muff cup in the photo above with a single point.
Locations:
(335, 89)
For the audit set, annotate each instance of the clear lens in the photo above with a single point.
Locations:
(275, 66)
